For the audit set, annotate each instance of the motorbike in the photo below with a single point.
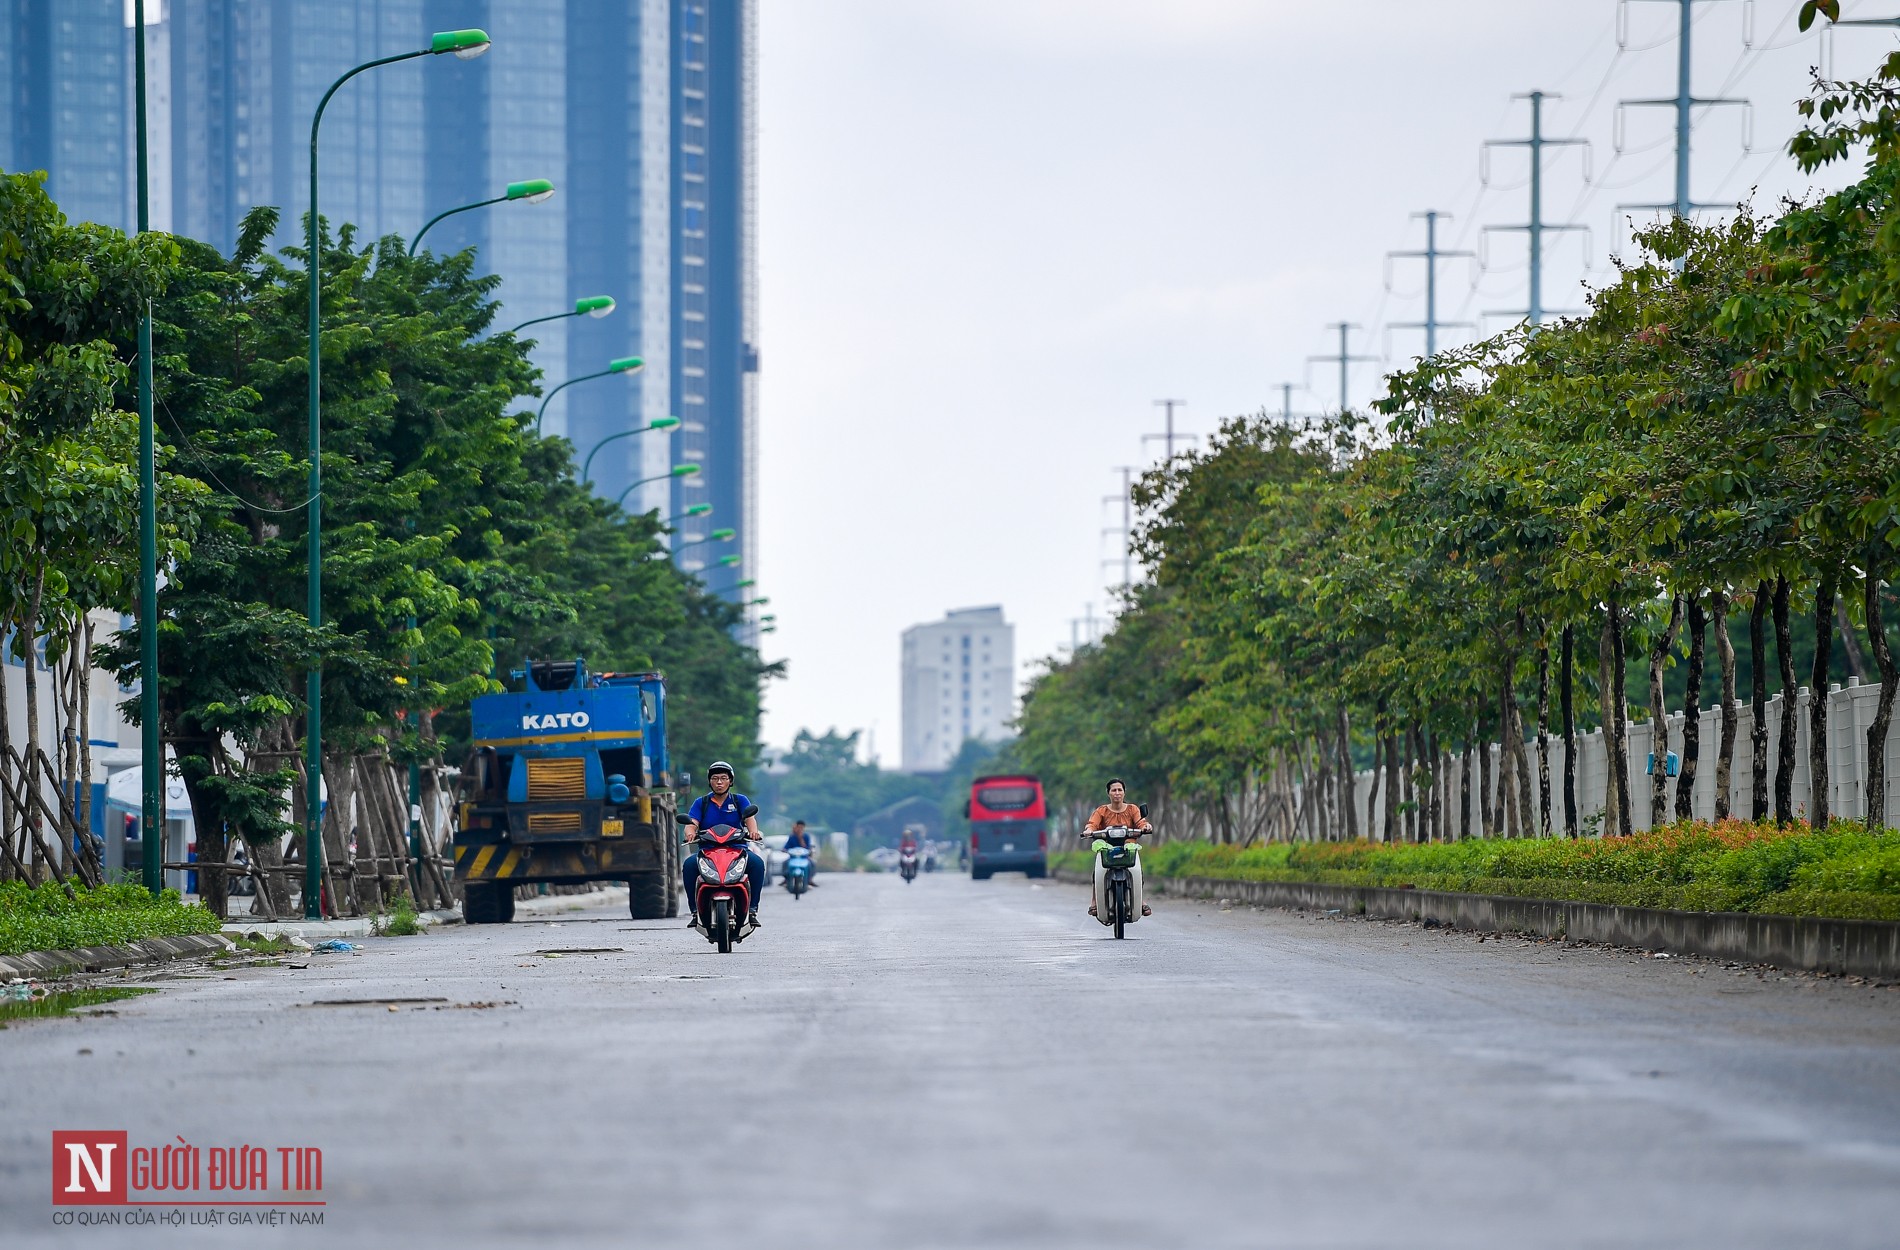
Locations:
(907, 864)
(723, 897)
(1118, 876)
(798, 871)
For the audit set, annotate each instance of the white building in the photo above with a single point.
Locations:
(959, 683)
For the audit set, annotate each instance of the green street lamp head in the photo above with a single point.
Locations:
(742, 585)
(627, 364)
(466, 44)
(753, 603)
(698, 509)
(723, 535)
(684, 470)
(595, 306)
(663, 423)
(535, 190)
(729, 561)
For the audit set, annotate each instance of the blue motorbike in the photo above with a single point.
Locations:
(798, 871)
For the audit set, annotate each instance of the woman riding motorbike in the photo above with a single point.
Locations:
(1118, 813)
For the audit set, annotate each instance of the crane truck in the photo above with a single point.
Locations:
(568, 780)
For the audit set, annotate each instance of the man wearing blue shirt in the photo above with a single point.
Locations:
(802, 841)
(722, 807)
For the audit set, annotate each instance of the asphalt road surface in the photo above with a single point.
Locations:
(959, 1064)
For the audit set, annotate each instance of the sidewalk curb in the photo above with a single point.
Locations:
(1868, 948)
(65, 963)
(365, 926)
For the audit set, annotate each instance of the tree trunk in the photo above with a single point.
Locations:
(1349, 780)
(1725, 656)
(1487, 810)
(1758, 734)
(1617, 717)
(17, 852)
(1393, 797)
(1446, 814)
(1375, 786)
(1883, 710)
(1850, 646)
(1825, 595)
(30, 773)
(1567, 685)
(1543, 734)
(1784, 746)
(1659, 717)
(1470, 782)
(1408, 783)
(85, 734)
(1692, 710)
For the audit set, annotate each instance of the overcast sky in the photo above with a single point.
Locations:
(992, 232)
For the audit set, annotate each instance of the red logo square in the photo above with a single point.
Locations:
(88, 1168)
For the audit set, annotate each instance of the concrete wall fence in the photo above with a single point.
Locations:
(1850, 712)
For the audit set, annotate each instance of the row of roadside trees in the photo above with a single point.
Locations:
(456, 540)
(1663, 486)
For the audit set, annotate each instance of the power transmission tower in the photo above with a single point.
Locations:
(1345, 360)
(1127, 530)
(1684, 102)
(1169, 405)
(1534, 309)
(1286, 405)
(1431, 255)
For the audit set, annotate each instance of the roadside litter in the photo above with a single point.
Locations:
(337, 944)
(23, 991)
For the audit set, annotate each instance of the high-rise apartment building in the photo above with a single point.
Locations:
(639, 111)
(715, 309)
(959, 679)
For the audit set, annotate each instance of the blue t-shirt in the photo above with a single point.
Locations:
(798, 841)
(707, 811)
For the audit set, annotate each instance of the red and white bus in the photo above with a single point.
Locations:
(1009, 826)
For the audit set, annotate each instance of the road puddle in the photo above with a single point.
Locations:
(66, 1002)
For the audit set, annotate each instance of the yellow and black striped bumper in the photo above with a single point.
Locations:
(557, 861)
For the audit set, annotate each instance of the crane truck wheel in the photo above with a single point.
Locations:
(646, 895)
(487, 904)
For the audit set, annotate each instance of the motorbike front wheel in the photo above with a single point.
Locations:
(722, 924)
(1121, 908)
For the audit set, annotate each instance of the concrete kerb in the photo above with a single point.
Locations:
(1867, 948)
(365, 926)
(65, 963)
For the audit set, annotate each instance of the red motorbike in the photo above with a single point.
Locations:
(723, 897)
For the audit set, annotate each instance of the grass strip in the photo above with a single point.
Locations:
(48, 918)
(1844, 871)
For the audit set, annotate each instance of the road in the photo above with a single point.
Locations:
(954, 1064)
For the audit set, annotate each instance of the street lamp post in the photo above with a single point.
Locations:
(466, 45)
(626, 364)
(678, 470)
(595, 306)
(151, 748)
(534, 191)
(658, 423)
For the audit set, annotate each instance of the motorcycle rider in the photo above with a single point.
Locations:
(800, 840)
(722, 807)
(1117, 813)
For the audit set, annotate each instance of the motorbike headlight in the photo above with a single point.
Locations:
(736, 873)
(707, 872)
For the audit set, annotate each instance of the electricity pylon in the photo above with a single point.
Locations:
(1534, 310)
(1431, 255)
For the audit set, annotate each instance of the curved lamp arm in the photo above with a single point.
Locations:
(658, 423)
(589, 305)
(534, 191)
(627, 364)
(678, 470)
